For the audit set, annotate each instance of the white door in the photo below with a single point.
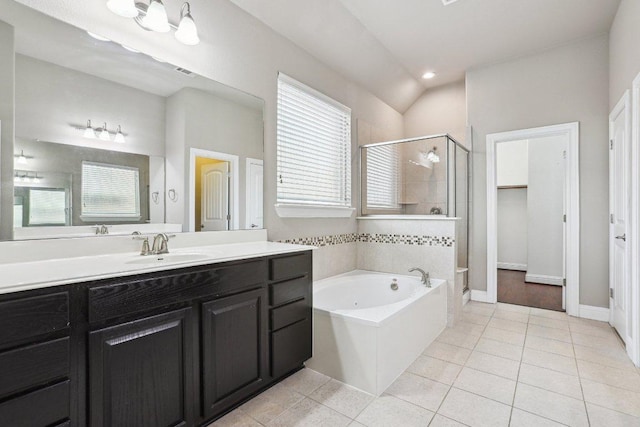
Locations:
(255, 216)
(619, 181)
(214, 197)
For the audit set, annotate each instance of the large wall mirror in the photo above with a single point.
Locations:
(108, 139)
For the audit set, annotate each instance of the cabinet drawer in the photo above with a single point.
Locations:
(31, 366)
(290, 313)
(291, 290)
(290, 266)
(147, 293)
(290, 347)
(44, 407)
(25, 319)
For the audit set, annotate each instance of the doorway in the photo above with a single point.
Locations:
(213, 191)
(532, 217)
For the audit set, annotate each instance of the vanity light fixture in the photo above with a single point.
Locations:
(104, 133)
(21, 158)
(36, 180)
(89, 132)
(119, 136)
(187, 31)
(156, 18)
(153, 17)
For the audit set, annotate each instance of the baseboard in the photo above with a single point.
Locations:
(466, 297)
(594, 313)
(512, 266)
(544, 280)
(480, 296)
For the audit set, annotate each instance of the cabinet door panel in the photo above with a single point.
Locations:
(43, 407)
(140, 372)
(234, 349)
(290, 347)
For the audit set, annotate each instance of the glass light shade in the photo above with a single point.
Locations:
(433, 157)
(36, 180)
(124, 8)
(22, 159)
(187, 32)
(89, 132)
(156, 18)
(104, 133)
(119, 137)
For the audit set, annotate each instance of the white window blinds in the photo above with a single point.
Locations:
(382, 177)
(47, 207)
(314, 147)
(110, 191)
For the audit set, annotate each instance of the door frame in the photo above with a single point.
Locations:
(572, 192)
(633, 348)
(247, 195)
(234, 190)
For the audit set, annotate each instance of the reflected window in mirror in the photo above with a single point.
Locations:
(110, 192)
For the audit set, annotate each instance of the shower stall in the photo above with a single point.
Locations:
(421, 176)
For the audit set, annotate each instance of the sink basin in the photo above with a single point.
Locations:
(168, 258)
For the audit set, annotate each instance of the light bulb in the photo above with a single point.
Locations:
(187, 31)
(104, 133)
(124, 8)
(36, 180)
(22, 159)
(119, 136)
(156, 18)
(428, 75)
(89, 132)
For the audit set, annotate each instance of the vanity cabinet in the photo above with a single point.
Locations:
(178, 347)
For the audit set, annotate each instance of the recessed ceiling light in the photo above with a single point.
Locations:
(429, 75)
(98, 37)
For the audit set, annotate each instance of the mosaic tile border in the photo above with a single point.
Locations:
(394, 239)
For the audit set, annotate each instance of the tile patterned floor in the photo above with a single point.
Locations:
(503, 365)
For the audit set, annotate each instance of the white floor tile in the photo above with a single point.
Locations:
(306, 381)
(603, 417)
(511, 315)
(615, 398)
(549, 333)
(520, 418)
(622, 378)
(389, 411)
(236, 418)
(309, 413)
(340, 397)
(435, 369)
(549, 346)
(498, 348)
(551, 361)
(418, 390)
(555, 381)
(460, 339)
(474, 410)
(496, 365)
(486, 385)
(441, 421)
(447, 352)
(508, 325)
(549, 323)
(502, 335)
(271, 403)
(562, 409)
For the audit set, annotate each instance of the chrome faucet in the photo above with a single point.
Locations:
(160, 244)
(426, 280)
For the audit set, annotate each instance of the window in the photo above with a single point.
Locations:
(382, 177)
(110, 192)
(314, 148)
(47, 207)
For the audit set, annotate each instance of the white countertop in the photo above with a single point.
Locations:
(21, 276)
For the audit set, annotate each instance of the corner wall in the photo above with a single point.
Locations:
(561, 85)
(624, 54)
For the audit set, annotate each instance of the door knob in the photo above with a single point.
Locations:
(623, 237)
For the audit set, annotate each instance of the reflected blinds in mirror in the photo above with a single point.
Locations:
(382, 177)
(314, 147)
(110, 191)
(47, 207)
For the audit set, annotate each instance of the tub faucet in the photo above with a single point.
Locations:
(426, 280)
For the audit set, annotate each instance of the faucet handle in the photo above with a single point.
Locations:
(146, 250)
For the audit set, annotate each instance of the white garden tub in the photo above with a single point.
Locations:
(365, 334)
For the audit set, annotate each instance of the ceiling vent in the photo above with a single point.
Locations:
(184, 71)
(448, 2)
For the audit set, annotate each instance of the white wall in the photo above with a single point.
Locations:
(439, 110)
(512, 229)
(512, 163)
(624, 54)
(545, 199)
(561, 85)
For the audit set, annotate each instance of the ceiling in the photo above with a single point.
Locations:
(386, 45)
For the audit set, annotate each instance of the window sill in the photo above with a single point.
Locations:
(312, 211)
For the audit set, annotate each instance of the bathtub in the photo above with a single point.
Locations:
(365, 334)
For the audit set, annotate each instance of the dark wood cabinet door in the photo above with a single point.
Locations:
(234, 353)
(141, 372)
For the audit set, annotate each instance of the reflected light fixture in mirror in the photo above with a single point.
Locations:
(104, 133)
(89, 132)
(119, 138)
(21, 158)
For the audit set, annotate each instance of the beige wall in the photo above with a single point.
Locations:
(624, 54)
(438, 110)
(565, 84)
